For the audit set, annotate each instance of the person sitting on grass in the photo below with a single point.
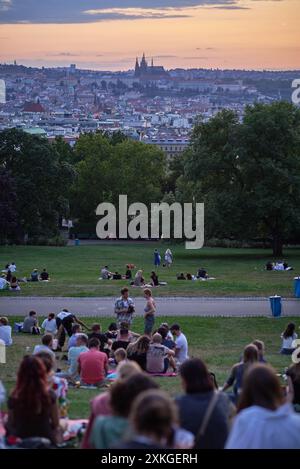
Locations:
(139, 280)
(44, 277)
(4, 284)
(154, 279)
(269, 265)
(293, 376)
(166, 341)
(181, 350)
(181, 276)
(105, 273)
(261, 350)
(45, 346)
(117, 276)
(199, 389)
(165, 325)
(49, 324)
(288, 337)
(93, 365)
(128, 273)
(81, 346)
(5, 331)
(123, 341)
(100, 405)
(153, 418)
(9, 276)
(14, 284)
(76, 329)
(58, 384)
(159, 357)
(131, 334)
(120, 356)
(30, 324)
(264, 419)
(34, 276)
(108, 430)
(32, 406)
(137, 351)
(112, 332)
(202, 273)
(238, 370)
(12, 267)
(105, 343)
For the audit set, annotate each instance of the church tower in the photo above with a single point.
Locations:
(137, 70)
(144, 65)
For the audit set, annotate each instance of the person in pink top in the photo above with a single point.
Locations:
(93, 365)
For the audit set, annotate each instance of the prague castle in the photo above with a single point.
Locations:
(149, 72)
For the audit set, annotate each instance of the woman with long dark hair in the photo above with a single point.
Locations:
(32, 406)
(288, 337)
(137, 351)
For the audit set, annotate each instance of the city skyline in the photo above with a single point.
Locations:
(108, 35)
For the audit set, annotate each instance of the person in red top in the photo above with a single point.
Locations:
(93, 365)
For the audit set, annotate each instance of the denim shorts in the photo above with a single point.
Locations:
(149, 323)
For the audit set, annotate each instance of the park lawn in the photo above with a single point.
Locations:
(75, 270)
(219, 341)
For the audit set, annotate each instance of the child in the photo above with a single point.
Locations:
(120, 356)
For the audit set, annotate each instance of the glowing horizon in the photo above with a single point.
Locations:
(227, 34)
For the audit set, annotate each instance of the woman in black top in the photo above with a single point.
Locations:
(154, 279)
(32, 406)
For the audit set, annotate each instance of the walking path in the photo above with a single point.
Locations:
(166, 306)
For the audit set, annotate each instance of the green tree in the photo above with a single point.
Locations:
(248, 174)
(41, 181)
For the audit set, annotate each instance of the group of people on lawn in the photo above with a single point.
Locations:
(133, 412)
(9, 280)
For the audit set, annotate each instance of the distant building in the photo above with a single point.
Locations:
(145, 72)
(171, 146)
(33, 107)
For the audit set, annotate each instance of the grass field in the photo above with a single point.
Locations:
(75, 271)
(219, 341)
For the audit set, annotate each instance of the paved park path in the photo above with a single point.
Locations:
(166, 306)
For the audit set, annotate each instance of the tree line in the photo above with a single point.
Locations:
(247, 172)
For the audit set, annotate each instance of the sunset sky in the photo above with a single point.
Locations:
(109, 34)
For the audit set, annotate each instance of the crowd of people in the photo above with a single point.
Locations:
(252, 409)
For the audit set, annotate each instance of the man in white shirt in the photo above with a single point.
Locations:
(181, 351)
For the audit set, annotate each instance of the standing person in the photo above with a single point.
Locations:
(181, 350)
(264, 420)
(93, 365)
(157, 258)
(32, 406)
(288, 337)
(124, 307)
(168, 258)
(64, 322)
(150, 310)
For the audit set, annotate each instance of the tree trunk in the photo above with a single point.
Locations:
(277, 245)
